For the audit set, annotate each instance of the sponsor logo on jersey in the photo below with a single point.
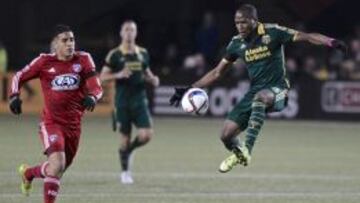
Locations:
(77, 68)
(134, 65)
(257, 53)
(66, 82)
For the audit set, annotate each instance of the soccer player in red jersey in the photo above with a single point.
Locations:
(70, 86)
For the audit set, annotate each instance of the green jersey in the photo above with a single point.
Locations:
(130, 90)
(263, 53)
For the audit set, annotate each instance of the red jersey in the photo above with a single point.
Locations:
(64, 85)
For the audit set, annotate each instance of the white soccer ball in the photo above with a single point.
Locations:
(195, 101)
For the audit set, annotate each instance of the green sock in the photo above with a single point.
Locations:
(135, 144)
(255, 122)
(124, 159)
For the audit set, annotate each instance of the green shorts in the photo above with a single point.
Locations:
(137, 114)
(241, 112)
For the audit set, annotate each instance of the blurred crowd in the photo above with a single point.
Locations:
(303, 60)
(321, 63)
(193, 53)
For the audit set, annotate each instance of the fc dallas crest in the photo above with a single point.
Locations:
(77, 68)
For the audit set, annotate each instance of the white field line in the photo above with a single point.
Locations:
(199, 175)
(206, 195)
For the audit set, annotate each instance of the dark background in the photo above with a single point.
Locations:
(186, 38)
(25, 25)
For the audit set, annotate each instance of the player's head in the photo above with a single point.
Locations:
(246, 19)
(63, 41)
(128, 31)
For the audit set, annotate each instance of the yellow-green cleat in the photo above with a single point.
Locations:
(25, 184)
(240, 155)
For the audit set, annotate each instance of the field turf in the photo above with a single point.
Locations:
(294, 161)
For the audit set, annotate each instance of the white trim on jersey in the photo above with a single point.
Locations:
(15, 83)
(17, 77)
(45, 135)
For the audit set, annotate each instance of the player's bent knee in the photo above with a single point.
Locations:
(229, 130)
(57, 164)
(125, 140)
(264, 96)
(227, 133)
(55, 168)
(145, 136)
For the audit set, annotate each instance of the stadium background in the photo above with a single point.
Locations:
(187, 38)
(296, 161)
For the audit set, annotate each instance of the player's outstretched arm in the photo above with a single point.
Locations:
(30, 72)
(319, 39)
(151, 78)
(205, 81)
(213, 75)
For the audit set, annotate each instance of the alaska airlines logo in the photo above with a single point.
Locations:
(134, 66)
(257, 53)
(66, 82)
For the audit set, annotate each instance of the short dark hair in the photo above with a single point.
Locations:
(60, 28)
(248, 10)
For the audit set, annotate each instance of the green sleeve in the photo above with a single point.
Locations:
(110, 60)
(284, 34)
(231, 52)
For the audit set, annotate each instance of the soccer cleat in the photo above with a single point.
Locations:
(126, 177)
(25, 184)
(240, 155)
(229, 163)
(243, 154)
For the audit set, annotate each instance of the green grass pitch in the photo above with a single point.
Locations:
(294, 161)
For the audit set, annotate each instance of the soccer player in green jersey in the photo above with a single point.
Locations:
(128, 65)
(261, 47)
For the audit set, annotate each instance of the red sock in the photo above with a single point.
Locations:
(51, 188)
(36, 171)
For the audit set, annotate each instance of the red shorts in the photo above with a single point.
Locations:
(58, 138)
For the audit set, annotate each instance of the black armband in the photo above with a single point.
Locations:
(89, 75)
